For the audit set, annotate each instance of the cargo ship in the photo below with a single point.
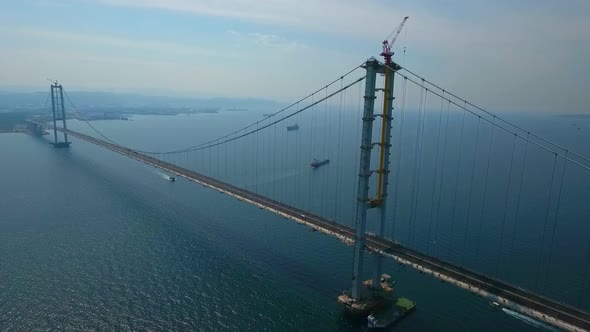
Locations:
(293, 127)
(316, 163)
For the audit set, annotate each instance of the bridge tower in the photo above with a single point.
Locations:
(59, 113)
(365, 295)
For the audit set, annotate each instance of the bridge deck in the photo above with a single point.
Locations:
(524, 301)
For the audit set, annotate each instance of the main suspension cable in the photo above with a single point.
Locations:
(496, 117)
(218, 141)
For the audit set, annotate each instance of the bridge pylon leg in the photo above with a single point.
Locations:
(385, 152)
(371, 67)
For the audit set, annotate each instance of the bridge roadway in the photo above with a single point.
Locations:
(515, 298)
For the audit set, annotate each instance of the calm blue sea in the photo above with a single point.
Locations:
(90, 240)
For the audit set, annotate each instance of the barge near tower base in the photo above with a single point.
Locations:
(372, 298)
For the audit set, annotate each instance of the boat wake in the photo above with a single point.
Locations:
(166, 176)
(163, 175)
(528, 320)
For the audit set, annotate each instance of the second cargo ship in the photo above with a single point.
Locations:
(317, 163)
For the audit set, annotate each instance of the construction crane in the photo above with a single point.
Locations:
(387, 53)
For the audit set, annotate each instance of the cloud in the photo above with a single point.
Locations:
(116, 42)
(48, 3)
(267, 40)
(480, 21)
(341, 17)
(240, 9)
(494, 53)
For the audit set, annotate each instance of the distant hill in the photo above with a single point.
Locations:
(33, 100)
(113, 102)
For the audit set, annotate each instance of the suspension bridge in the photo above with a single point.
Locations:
(469, 198)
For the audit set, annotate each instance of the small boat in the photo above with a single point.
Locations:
(316, 163)
(495, 304)
(171, 179)
(373, 323)
(293, 127)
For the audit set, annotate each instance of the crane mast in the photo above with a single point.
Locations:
(386, 54)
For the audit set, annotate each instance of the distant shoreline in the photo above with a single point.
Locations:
(583, 116)
(12, 120)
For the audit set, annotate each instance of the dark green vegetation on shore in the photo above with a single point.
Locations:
(9, 120)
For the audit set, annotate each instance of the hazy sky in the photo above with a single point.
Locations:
(506, 55)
